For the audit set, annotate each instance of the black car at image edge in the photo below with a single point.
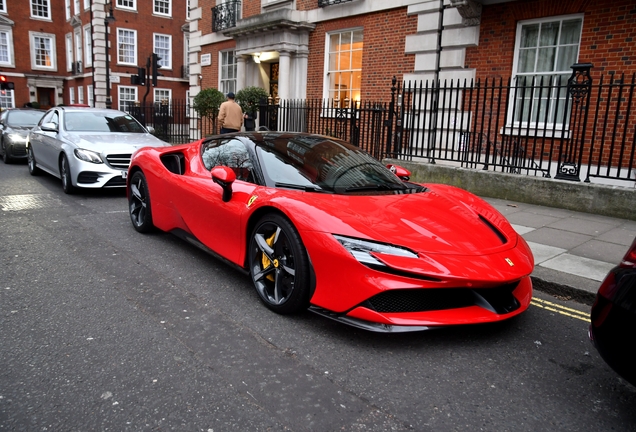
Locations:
(613, 318)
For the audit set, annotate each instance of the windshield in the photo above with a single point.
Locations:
(91, 121)
(24, 118)
(323, 164)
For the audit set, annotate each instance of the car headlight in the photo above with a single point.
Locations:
(361, 250)
(88, 156)
(17, 138)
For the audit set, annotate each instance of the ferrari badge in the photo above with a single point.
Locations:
(510, 263)
(251, 201)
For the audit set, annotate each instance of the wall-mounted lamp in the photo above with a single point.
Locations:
(257, 58)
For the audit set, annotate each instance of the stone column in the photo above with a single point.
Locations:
(284, 65)
(301, 75)
(240, 72)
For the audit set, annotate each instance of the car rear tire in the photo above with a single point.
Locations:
(279, 265)
(33, 169)
(139, 203)
(65, 173)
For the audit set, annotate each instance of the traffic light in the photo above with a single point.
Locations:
(140, 78)
(155, 69)
(4, 84)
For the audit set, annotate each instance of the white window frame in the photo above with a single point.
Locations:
(119, 42)
(554, 120)
(7, 100)
(10, 53)
(71, 95)
(165, 63)
(77, 39)
(80, 95)
(3, 5)
(67, 9)
(88, 48)
(163, 14)
(351, 92)
(87, 4)
(41, 3)
(89, 95)
(51, 37)
(121, 101)
(69, 51)
(162, 91)
(227, 84)
(76, 7)
(126, 4)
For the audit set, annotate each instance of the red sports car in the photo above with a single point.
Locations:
(321, 224)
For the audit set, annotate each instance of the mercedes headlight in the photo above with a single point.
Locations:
(17, 138)
(88, 156)
(362, 249)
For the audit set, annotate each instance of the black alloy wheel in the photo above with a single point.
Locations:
(139, 203)
(279, 265)
(65, 173)
(33, 169)
(6, 157)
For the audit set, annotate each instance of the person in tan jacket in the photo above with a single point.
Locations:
(230, 115)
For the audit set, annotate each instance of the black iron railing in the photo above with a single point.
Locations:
(225, 15)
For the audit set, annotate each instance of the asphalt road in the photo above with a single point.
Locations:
(102, 328)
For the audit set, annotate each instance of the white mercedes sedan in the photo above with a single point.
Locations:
(87, 147)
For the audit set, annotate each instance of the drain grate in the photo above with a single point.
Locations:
(27, 202)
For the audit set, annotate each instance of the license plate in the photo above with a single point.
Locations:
(124, 174)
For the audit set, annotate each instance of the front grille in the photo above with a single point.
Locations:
(88, 177)
(119, 161)
(498, 299)
(18, 150)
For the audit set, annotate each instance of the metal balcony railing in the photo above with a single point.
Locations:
(224, 16)
(323, 3)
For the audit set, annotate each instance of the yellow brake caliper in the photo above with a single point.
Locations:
(266, 262)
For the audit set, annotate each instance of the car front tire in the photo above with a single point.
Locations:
(139, 203)
(279, 265)
(33, 169)
(6, 157)
(65, 173)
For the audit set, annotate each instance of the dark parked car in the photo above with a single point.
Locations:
(15, 124)
(613, 328)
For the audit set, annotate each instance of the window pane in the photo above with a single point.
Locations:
(567, 57)
(571, 32)
(549, 33)
(529, 36)
(527, 59)
(545, 62)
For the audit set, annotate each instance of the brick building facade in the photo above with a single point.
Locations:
(55, 51)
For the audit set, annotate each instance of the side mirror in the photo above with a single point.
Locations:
(224, 177)
(49, 127)
(402, 173)
(150, 130)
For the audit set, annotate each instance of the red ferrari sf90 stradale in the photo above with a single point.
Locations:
(320, 224)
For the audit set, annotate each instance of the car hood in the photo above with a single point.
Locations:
(442, 220)
(20, 130)
(114, 142)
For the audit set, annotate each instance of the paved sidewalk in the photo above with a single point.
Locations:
(573, 251)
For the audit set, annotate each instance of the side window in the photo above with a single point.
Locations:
(231, 153)
(47, 118)
(55, 118)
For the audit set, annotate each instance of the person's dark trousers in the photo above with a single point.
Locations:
(226, 130)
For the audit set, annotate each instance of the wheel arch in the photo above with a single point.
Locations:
(249, 227)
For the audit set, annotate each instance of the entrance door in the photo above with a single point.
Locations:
(273, 80)
(46, 97)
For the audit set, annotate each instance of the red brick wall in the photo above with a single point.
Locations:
(608, 37)
(383, 56)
